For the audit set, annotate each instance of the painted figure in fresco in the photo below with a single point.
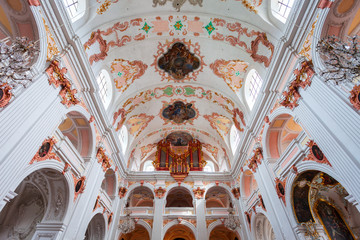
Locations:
(78, 185)
(328, 180)
(179, 112)
(301, 203)
(178, 61)
(44, 149)
(333, 222)
(317, 152)
(281, 189)
(178, 142)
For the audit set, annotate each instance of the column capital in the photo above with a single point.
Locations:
(160, 192)
(199, 192)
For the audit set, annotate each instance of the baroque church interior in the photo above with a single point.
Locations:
(179, 119)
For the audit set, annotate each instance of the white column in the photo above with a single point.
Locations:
(244, 229)
(159, 204)
(333, 125)
(84, 205)
(117, 210)
(201, 219)
(278, 216)
(25, 124)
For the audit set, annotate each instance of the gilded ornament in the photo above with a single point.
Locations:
(52, 49)
(105, 6)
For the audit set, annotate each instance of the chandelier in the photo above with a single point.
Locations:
(127, 225)
(342, 58)
(232, 222)
(16, 56)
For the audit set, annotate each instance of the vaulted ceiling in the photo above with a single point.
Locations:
(227, 37)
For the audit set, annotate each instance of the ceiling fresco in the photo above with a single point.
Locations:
(179, 138)
(139, 122)
(233, 72)
(178, 112)
(220, 123)
(243, 36)
(250, 5)
(125, 72)
(179, 68)
(178, 61)
(175, 61)
(169, 91)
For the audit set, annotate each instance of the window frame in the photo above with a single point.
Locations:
(75, 9)
(105, 88)
(253, 87)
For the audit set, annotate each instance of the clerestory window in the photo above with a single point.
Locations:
(252, 87)
(75, 8)
(285, 7)
(103, 81)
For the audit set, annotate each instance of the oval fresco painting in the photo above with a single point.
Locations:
(44, 149)
(179, 112)
(317, 152)
(78, 185)
(281, 189)
(178, 61)
(179, 138)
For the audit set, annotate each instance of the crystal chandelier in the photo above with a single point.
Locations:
(16, 56)
(342, 59)
(127, 225)
(232, 222)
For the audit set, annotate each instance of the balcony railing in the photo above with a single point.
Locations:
(141, 211)
(179, 211)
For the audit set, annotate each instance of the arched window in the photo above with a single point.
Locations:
(284, 7)
(123, 136)
(72, 7)
(75, 8)
(105, 89)
(234, 138)
(281, 9)
(252, 87)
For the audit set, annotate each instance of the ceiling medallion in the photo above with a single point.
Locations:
(177, 4)
(179, 112)
(178, 61)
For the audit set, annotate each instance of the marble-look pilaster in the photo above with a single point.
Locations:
(201, 219)
(83, 208)
(275, 207)
(159, 204)
(333, 125)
